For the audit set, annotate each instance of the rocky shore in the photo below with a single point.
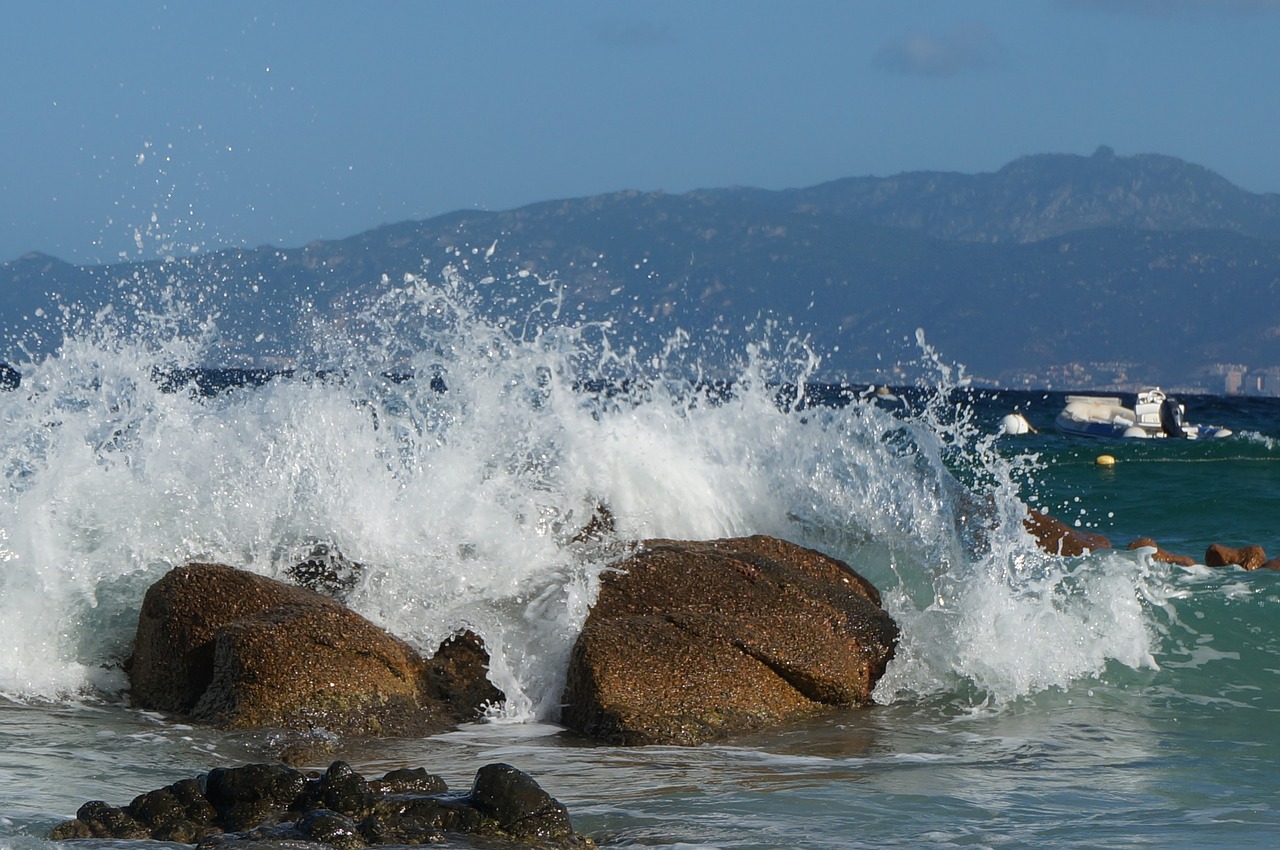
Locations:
(688, 642)
(1057, 538)
(261, 805)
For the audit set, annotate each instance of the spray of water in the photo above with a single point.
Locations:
(1007, 619)
(455, 452)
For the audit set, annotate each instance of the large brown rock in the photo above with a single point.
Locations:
(244, 651)
(692, 641)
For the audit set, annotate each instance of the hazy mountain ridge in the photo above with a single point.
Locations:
(1052, 260)
(1045, 195)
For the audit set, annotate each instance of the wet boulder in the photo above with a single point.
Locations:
(259, 804)
(97, 819)
(10, 378)
(1058, 538)
(518, 803)
(1161, 554)
(326, 571)
(244, 797)
(693, 641)
(322, 826)
(457, 675)
(179, 812)
(244, 651)
(1248, 557)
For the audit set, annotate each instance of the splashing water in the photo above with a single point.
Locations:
(456, 454)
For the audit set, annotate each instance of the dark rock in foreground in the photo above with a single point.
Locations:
(243, 806)
(693, 641)
(243, 651)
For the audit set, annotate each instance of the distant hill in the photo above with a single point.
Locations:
(1038, 197)
(1152, 267)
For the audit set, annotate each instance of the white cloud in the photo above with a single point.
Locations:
(965, 47)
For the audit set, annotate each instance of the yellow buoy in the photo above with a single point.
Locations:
(1105, 460)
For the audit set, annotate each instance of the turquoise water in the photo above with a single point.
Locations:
(1105, 701)
(1184, 494)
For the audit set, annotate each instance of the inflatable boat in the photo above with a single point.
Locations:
(1154, 416)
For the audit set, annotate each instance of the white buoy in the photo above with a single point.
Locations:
(1015, 424)
(882, 393)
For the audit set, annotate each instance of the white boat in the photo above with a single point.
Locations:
(1155, 415)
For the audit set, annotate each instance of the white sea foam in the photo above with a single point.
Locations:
(462, 500)
(1264, 440)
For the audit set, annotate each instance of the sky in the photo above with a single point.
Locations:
(142, 129)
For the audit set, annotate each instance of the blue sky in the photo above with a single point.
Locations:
(143, 128)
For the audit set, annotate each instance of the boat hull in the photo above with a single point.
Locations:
(1089, 428)
(1154, 416)
(1104, 430)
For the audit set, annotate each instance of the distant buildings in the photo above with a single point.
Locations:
(1242, 380)
(1115, 376)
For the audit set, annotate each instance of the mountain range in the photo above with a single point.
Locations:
(1054, 271)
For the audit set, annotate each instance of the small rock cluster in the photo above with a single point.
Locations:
(1057, 538)
(243, 806)
(1245, 557)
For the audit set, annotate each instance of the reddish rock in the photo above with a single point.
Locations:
(1249, 557)
(692, 641)
(244, 651)
(1161, 555)
(1058, 538)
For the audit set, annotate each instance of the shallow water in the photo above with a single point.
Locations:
(1098, 766)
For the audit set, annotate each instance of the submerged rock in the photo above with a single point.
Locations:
(1161, 554)
(245, 806)
(244, 651)
(1058, 538)
(692, 641)
(1248, 557)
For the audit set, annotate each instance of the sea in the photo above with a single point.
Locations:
(1035, 701)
